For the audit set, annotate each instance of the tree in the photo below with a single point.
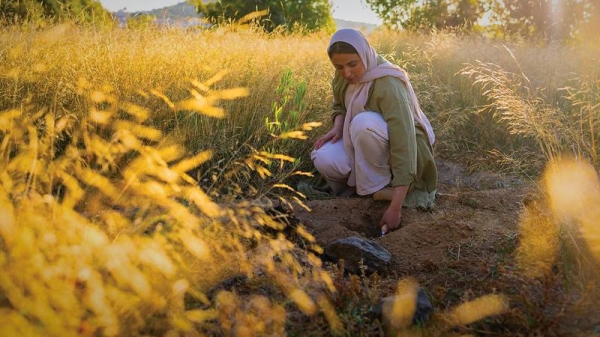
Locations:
(292, 15)
(547, 19)
(416, 14)
(53, 10)
(526, 18)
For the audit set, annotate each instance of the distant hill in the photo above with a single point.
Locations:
(362, 26)
(178, 11)
(184, 15)
(179, 15)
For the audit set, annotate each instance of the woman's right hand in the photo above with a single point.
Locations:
(333, 135)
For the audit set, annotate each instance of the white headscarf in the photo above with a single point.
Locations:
(374, 71)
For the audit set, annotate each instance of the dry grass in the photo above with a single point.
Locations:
(542, 99)
(153, 68)
(104, 232)
(124, 154)
(501, 105)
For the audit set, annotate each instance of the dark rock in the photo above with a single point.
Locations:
(424, 308)
(355, 249)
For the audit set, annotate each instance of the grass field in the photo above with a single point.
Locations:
(129, 160)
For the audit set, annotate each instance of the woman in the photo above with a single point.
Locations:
(381, 143)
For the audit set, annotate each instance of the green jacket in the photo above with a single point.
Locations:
(389, 96)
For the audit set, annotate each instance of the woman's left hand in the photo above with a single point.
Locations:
(392, 216)
(390, 219)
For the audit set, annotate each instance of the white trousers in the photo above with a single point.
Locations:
(369, 135)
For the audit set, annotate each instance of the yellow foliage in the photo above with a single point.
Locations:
(233, 93)
(304, 302)
(200, 316)
(103, 232)
(7, 218)
(311, 125)
(140, 131)
(482, 307)
(195, 246)
(401, 311)
(204, 203)
(216, 78)
(573, 191)
(330, 314)
(188, 164)
(163, 97)
(294, 135)
(539, 240)
(254, 15)
(573, 188)
(201, 105)
(7, 117)
(277, 156)
(98, 96)
(140, 113)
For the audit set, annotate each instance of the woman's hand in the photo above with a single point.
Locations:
(333, 135)
(390, 219)
(393, 214)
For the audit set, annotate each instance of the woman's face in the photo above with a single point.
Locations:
(350, 66)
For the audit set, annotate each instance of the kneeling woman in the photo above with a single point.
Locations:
(381, 143)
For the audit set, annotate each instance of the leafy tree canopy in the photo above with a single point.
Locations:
(551, 19)
(53, 10)
(416, 14)
(292, 15)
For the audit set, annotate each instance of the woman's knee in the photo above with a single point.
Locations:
(330, 165)
(319, 161)
(368, 124)
(323, 164)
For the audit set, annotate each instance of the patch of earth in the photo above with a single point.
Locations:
(460, 250)
(469, 211)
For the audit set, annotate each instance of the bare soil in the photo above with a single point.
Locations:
(470, 210)
(460, 250)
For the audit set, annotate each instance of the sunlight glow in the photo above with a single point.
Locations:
(574, 192)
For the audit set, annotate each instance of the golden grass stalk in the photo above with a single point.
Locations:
(103, 230)
(475, 310)
(401, 312)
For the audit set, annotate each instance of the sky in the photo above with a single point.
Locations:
(351, 10)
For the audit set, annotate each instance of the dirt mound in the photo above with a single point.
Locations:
(462, 249)
(470, 210)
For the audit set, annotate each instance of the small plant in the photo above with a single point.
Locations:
(290, 105)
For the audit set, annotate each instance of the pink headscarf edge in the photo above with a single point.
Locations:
(368, 56)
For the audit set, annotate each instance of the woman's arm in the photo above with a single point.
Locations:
(390, 97)
(338, 113)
